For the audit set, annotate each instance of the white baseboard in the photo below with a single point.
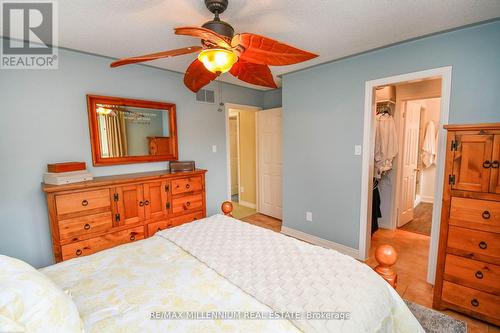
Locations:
(247, 204)
(321, 242)
(427, 199)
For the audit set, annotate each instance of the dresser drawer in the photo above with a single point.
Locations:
(187, 203)
(85, 225)
(185, 185)
(100, 243)
(83, 201)
(154, 227)
(471, 299)
(187, 218)
(472, 273)
(481, 245)
(475, 214)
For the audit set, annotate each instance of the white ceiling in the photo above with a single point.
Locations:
(331, 28)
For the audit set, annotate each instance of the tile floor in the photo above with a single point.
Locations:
(240, 211)
(413, 249)
(422, 221)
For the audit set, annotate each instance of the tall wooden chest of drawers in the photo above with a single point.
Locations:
(108, 211)
(468, 267)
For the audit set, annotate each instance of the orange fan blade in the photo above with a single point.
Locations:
(158, 55)
(266, 51)
(197, 76)
(205, 34)
(253, 73)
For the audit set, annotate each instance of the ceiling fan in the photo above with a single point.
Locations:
(246, 56)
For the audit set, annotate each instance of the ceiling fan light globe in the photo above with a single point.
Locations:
(217, 60)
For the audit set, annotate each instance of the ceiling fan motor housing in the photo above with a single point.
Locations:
(217, 25)
(220, 27)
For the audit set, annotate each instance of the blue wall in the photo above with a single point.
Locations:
(323, 120)
(272, 98)
(44, 120)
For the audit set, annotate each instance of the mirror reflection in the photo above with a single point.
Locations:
(132, 131)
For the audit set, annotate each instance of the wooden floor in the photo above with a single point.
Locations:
(413, 250)
(264, 221)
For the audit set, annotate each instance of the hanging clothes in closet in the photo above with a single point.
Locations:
(376, 212)
(386, 143)
(429, 147)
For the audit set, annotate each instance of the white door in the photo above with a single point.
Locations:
(269, 162)
(409, 162)
(233, 153)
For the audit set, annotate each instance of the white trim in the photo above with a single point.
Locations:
(426, 199)
(247, 204)
(320, 242)
(228, 106)
(367, 160)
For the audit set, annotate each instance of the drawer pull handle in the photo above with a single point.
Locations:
(78, 252)
(146, 202)
(479, 275)
(495, 164)
(188, 204)
(132, 237)
(188, 186)
(486, 164)
(86, 226)
(486, 215)
(483, 245)
(474, 302)
(85, 203)
(141, 203)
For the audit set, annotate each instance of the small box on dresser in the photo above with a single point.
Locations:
(468, 266)
(91, 216)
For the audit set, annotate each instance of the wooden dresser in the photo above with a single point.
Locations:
(468, 267)
(108, 211)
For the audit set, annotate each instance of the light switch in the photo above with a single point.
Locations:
(214, 149)
(357, 150)
(309, 216)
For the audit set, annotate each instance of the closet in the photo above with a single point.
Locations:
(385, 151)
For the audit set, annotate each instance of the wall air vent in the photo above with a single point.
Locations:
(205, 96)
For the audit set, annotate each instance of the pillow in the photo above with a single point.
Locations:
(31, 302)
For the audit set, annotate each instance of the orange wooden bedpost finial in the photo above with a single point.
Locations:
(386, 257)
(227, 208)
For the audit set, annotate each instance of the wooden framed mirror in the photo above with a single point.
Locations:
(126, 130)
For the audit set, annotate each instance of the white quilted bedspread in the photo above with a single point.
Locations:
(289, 275)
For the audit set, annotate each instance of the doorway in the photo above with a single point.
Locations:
(393, 184)
(242, 161)
(253, 138)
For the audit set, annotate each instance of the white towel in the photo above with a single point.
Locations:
(429, 150)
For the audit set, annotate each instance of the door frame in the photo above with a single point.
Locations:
(367, 159)
(237, 116)
(257, 154)
(228, 106)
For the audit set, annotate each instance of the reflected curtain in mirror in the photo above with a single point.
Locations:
(113, 135)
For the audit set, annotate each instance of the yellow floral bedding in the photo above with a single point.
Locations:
(119, 289)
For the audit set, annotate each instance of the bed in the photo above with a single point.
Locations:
(223, 275)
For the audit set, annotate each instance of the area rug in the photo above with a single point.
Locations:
(435, 322)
